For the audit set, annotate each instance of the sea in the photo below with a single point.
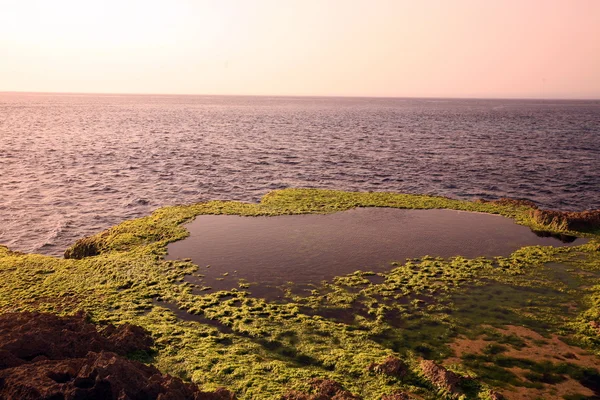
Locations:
(72, 165)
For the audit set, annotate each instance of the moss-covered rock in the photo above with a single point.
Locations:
(263, 349)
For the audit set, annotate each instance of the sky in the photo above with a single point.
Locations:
(389, 48)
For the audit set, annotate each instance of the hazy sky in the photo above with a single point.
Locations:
(447, 48)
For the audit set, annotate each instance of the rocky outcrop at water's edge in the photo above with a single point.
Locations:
(572, 221)
(43, 356)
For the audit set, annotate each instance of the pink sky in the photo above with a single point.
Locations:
(429, 48)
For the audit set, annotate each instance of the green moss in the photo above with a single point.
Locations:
(262, 349)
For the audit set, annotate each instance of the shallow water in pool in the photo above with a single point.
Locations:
(305, 249)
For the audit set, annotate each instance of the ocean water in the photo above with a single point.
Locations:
(72, 165)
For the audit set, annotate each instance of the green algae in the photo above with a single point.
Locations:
(261, 349)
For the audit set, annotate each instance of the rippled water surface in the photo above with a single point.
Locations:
(72, 165)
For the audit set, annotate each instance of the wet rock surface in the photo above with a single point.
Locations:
(43, 356)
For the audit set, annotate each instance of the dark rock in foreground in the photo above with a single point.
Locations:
(43, 356)
(34, 336)
(101, 375)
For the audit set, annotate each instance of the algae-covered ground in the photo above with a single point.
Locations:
(526, 326)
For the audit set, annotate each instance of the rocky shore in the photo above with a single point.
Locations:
(520, 326)
(43, 356)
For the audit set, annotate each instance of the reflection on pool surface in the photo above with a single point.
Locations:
(307, 249)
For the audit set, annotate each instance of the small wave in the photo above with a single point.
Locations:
(56, 226)
(138, 202)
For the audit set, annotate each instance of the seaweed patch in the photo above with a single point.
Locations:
(415, 320)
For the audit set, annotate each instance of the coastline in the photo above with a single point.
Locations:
(416, 311)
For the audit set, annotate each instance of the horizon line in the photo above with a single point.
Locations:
(303, 95)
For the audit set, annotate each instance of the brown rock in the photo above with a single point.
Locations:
(391, 366)
(97, 376)
(495, 396)
(128, 338)
(43, 356)
(9, 360)
(576, 221)
(29, 336)
(295, 395)
(440, 376)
